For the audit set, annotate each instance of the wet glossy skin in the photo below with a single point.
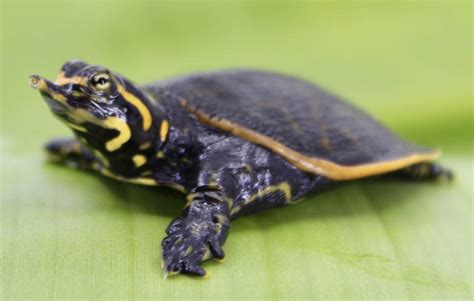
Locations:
(144, 135)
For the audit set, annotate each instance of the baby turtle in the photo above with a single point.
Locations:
(235, 142)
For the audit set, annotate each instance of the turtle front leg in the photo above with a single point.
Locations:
(426, 171)
(71, 152)
(198, 234)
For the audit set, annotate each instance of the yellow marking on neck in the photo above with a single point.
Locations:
(283, 187)
(160, 154)
(141, 180)
(101, 158)
(113, 123)
(135, 101)
(164, 129)
(139, 160)
(124, 133)
(144, 146)
(174, 186)
(76, 127)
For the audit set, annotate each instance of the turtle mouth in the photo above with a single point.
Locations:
(55, 106)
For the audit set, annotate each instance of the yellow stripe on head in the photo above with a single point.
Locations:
(137, 103)
(63, 80)
(112, 123)
(58, 97)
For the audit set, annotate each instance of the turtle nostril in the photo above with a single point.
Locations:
(35, 81)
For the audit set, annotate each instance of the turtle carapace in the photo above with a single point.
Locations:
(235, 142)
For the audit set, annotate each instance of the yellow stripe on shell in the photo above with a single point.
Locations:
(314, 165)
(137, 103)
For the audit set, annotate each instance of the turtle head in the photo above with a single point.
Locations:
(107, 111)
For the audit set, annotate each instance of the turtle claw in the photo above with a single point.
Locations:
(216, 250)
(184, 268)
(191, 240)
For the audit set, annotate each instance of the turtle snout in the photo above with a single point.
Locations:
(50, 93)
(37, 82)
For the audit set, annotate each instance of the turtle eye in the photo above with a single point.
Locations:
(101, 82)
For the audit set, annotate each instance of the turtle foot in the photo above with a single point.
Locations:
(70, 152)
(192, 240)
(428, 171)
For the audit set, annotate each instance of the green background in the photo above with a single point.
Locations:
(67, 234)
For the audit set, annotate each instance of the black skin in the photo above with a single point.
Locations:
(230, 171)
(223, 176)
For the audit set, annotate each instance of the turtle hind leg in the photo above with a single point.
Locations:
(427, 171)
(70, 152)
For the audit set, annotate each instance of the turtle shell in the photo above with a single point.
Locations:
(314, 130)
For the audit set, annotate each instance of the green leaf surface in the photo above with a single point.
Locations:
(69, 234)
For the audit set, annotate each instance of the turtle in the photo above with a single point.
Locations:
(234, 141)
